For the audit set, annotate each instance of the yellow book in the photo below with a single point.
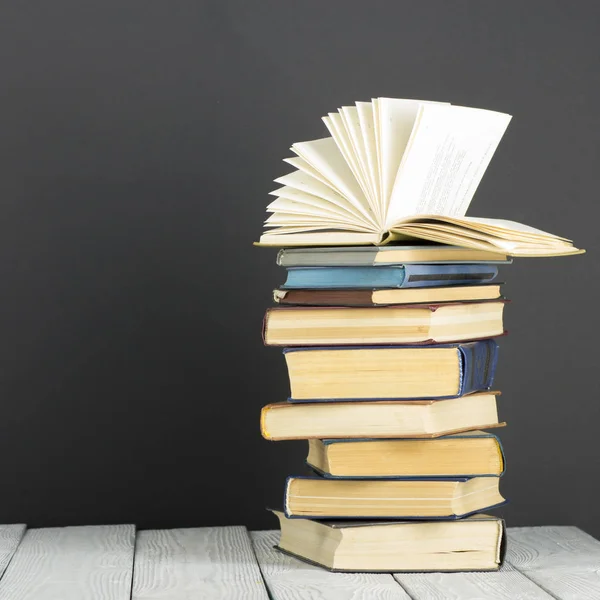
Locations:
(320, 498)
(379, 419)
(476, 543)
(466, 454)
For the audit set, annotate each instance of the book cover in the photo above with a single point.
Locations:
(399, 254)
(389, 297)
(476, 367)
(378, 277)
(404, 517)
(334, 524)
(467, 435)
(303, 324)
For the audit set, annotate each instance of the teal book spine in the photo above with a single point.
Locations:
(381, 277)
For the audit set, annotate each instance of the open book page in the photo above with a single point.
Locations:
(293, 201)
(304, 167)
(448, 153)
(512, 226)
(337, 127)
(490, 244)
(325, 157)
(367, 130)
(305, 236)
(352, 123)
(312, 191)
(282, 220)
(486, 234)
(482, 226)
(396, 119)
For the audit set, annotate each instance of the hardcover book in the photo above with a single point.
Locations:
(416, 324)
(398, 170)
(364, 298)
(388, 276)
(390, 372)
(469, 454)
(381, 419)
(476, 543)
(366, 256)
(416, 498)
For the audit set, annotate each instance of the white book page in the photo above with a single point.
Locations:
(293, 200)
(325, 157)
(375, 105)
(290, 197)
(396, 118)
(336, 126)
(286, 219)
(367, 129)
(294, 220)
(308, 236)
(512, 226)
(306, 183)
(351, 120)
(448, 154)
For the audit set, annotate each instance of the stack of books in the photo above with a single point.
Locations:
(388, 319)
(390, 370)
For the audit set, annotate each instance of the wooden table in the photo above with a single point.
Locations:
(114, 562)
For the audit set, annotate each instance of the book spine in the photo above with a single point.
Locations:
(279, 259)
(263, 422)
(478, 362)
(352, 278)
(264, 326)
(501, 453)
(502, 543)
(286, 508)
(419, 275)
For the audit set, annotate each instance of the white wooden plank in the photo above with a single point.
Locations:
(71, 563)
(565, 561)
(197, 563)
(10, 538)
(531, 548)
(505, 584)
(290, 579)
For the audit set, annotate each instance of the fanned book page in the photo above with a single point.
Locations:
(398, 170)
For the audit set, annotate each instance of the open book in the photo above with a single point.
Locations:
(396, 170)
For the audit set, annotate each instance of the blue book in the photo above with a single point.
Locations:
(423, 498)
(363, 373)
(397, 276)
(468, 454)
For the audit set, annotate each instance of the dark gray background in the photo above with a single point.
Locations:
(138, 143)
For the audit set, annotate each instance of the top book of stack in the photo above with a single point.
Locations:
(398, 171)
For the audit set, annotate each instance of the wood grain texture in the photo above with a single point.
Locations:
(10, 538)
(197, 563)
(531, 548)
(505, 584)
(565, 561)
(71, 563)
(290, 579)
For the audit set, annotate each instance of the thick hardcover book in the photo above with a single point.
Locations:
(398, 254)
(476, 543)
(471, 454)
(382, 419)
(385, 297)
(394, 325)
(407, 276)
(368, 373)
(401, 498)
